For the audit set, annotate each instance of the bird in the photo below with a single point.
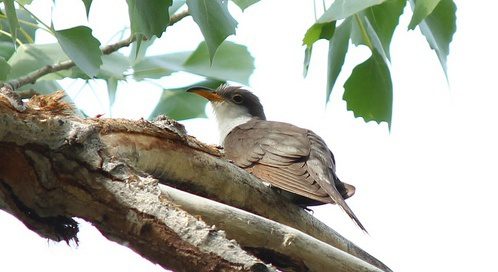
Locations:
(293, 159)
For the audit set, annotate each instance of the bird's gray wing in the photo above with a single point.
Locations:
(278, 153)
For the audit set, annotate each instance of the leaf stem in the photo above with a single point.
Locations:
(314, 9)
(49, 29)
(19, 42)
(26, 35)
(24, 22)
(364, 33)
(27, 23)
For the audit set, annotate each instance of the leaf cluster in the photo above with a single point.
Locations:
(21, 56)
(369, 89)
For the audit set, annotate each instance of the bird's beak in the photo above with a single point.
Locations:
(207, 93)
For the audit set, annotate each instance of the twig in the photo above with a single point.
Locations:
(33, 76)
(67, 64)
(175, 18)
(116, 46)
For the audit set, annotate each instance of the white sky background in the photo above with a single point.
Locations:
(426, 191)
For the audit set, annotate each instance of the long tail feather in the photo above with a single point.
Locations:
(337, 197)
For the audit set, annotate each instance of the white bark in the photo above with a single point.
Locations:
(259, 233)
(55, 165)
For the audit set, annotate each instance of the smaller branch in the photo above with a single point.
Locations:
(67, 64)
(268, 239)
(35, 75)
(175, 18)
(111, 48)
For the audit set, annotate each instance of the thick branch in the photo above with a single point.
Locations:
(67, 64)
(268, 239)
(45, 184)
(161, 149)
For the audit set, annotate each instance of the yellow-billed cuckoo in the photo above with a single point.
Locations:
(286, 156)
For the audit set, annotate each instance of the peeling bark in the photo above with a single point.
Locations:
(123, 205)
(55, 166)
(285, 245)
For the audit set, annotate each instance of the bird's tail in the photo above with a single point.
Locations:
(337, 197)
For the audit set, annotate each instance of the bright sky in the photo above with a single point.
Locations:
(425, 190)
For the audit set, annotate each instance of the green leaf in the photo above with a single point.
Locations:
(338, 47)
(180, 105)
(30, 57)
(10, 10)
(6, 49)
(364, 33)
(317, 32)
(112, 87)
(88, 4)
(113, 66)
(369, 92)
(24, 2)
(4, 69)
(313, 34)
(138, 50)
(381, 21)
(243, 4)
(307, 59)
(438, 28)
(80, 45)
(341, 9)
(149, 17)
(233, 62)
(156, 67)
(422, 9)
(26, 32)
(214, 20)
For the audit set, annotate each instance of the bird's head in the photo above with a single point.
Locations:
(231, 102)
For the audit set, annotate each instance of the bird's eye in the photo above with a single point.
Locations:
(237, 98)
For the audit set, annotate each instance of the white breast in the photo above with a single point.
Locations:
(229, 116)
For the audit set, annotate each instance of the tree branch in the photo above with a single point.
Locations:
(44, 185)
(89, 155)
(268, 239)
(67, 64)
(215, 179)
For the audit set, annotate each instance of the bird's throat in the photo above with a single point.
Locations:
(229, 116)
(226, 125)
